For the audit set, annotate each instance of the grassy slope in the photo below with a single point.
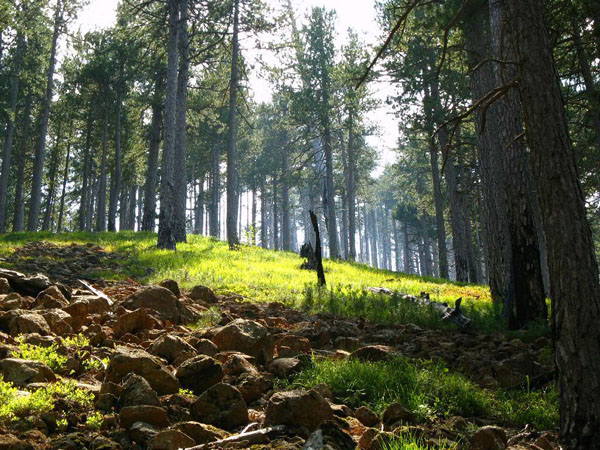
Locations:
(262, 275)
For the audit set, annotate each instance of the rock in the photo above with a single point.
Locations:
(59, 321)
(5, 286)
(367, 417)
(153, 415)
(199, 373)
(172, 286)
(142, 432)
(298, 408)
(104, 443)
(246, 336)
(21, 372)
(221, 405)
(206, 347)
(373, 353)
(489, 438)
(238, 365)
(11, 301)
(134, 321)
(29, 323)
(374, 439)
(253, 387)
(329, 436)
(51, 297)
(285, 367)
(204, 294)
(11, 442)
(85, 305)
(171, 348)
(201, 433)
(171, 440)
(156, 298)
(137, 391)
(128, 360)
(26, 285)
(72, 441)
(395, 412)
(298, 344)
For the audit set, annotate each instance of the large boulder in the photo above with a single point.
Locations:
(11, 442)
(171, 347)
(489, 438)
(4, 286)
(59, 321)
(172, 286)
(203, 294)
(51, 297)
(246, 336)
(298, 408)
(135, 321)
(29, 322)
(156, 298)
(395, 413)
(171, 440)
(221, 405)
(200, 432)
(26, 285)
(128, 360)
(374, 353)
(199, 373)
(137, 391)
(153, 415)
(21, 372)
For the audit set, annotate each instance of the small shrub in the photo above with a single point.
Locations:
(94, 421)
(208, 318)
(48, 355)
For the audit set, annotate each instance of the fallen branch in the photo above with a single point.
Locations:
(251, 437)
(96, 292)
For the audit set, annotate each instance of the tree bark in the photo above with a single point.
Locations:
(181, 127)
(166, 231)
(232, 185)
(350, 190)
(101, 203)
(10, 128)
(19, 210)
(40, 153)
(64, 185)
(574, 282)
(87, 164)
(117, 175)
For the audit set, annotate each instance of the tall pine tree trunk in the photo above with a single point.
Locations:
(166, 231)
(40, 153)
(350, 191)
(232, 185)
(87, 164)
(116, 182)
(181, 125)
(19, 210)
(10, 128)
(574, 282)
(64, 183)
(101, 203)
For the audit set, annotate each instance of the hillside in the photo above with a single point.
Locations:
(250, 356)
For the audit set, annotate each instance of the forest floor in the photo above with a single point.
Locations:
(260, 350)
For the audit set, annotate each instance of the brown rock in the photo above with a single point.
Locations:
(200, 432)
(21, 372)
(171, 440)
(246, 336)
(59, 321)
(221, 405)
(153, 415)
(298, 408)
(329, 436)
(285, 367)
(5, 286)
(367, 417)
(489, 438)
(395, 412)
(157, 298)
(137, 391)
(172, 286)
(134, 321)
(206, 347)
(253, 387)
(128, 360)
(238, 365)
(199, 373)
(171, 347)
(11, 301)
(204, 294)
(29, 323)
(50, 298)
(11, 442)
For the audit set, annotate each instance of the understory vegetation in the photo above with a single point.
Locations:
(429, 390)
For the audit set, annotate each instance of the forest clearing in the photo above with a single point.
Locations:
(300, 224)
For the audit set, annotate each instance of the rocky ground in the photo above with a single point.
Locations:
(159, 384)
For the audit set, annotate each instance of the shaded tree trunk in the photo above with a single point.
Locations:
(166, 231)
(101, 203)
(19, 210)
(10, 128)
(350, 191)
(87, 164)
(40, 153)
(215, 193)
(574, 282)
(64, 185)
(116, 181)
(232, 186)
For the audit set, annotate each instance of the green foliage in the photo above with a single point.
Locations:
(48, 355)
(208, 318)
(94, 421)
(410, 442)
(429, 390)
(19, 404)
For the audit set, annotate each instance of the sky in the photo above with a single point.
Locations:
(359, 15)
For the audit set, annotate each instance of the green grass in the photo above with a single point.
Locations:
(15, 404)
(429, 390)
